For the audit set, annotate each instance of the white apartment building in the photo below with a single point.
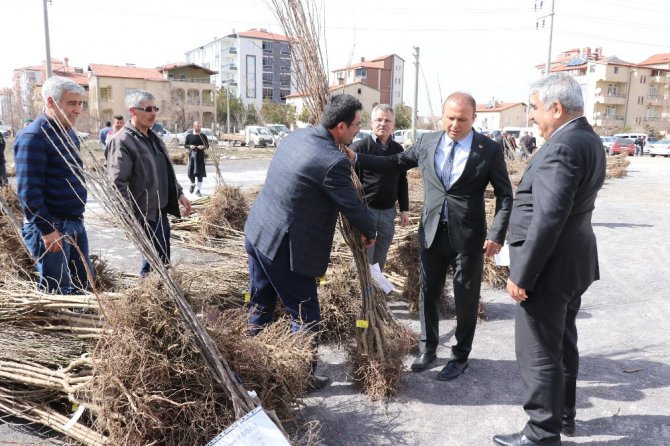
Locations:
(255, 65)
(620, 95)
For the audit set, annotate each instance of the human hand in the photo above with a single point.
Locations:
(404, 219)
(516, 292)
(491, 248)
(367, 242)
(53, 242)
(186, 204)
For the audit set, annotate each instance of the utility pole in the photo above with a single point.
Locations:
(46, 37)
(227, 105)
(416, 92)
(216, 108)
(538, 6)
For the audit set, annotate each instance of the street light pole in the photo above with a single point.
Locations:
(46, 38)
(227, 82)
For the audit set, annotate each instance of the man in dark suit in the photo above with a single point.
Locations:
(553, 257)
(456, 165)
(290, 228)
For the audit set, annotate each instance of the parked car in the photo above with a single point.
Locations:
(83, 135)
(181, 137)
(279, 131)
(633, 136)
(660, 148)
(623, 145)
(257, 136)
(404, 136)
(362, 134)
(170, 138)
(607, 143)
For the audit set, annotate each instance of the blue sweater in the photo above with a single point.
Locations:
(46, 185)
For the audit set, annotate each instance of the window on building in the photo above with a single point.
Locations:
(268, 78)
(285, 64)
(612, 89)
(616, 70)
(285, 49)
(283, 93)
(105, 93)
(251, 77)
(339, 75)
(267, 93)
(285, 80)
(267, 46)
(267, 63)
(193, 97)
(361, 72)
(182, 77)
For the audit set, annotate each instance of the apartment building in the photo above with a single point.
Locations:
(255, 65)
(183, 92)
(496, 115)
(618, 94)
(26, 100)
(385, 73)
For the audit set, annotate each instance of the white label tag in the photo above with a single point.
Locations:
(253, 429)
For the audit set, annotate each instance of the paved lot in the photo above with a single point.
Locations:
(624, 387)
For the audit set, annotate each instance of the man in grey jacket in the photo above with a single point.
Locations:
(139, 166)
(290, 228)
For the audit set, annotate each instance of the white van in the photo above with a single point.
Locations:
(634, 136)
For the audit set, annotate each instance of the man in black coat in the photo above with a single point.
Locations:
(456, 164)
(196, 143)
(554, 257)
(382, 190)
(290, 228)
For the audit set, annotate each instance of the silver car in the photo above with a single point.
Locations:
(660, 148)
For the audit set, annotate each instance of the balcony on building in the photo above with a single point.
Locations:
(230, 50)
(229, 67)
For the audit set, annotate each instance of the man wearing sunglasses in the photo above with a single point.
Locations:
(139, 166)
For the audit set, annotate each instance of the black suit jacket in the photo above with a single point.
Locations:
(552, 244)
(308, 182)
(465, 198)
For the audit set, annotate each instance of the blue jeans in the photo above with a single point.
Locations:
(64, 272)
(159, 233)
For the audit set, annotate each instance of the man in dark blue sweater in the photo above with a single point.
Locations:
(382, 190)
(51, 191)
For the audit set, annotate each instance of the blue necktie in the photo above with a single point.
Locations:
(446, 176)
(449, 165)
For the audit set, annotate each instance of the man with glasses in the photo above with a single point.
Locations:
(139, 166)
(382, 190)
(290, 228)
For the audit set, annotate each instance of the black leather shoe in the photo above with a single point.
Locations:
(319, 382)
(422, 362)
(191, 188)
(520, 439)
(453, 369)
(568, 428)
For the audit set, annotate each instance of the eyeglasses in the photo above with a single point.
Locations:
(148, 109)
(382, 121)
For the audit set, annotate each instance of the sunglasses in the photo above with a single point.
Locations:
(148, 109)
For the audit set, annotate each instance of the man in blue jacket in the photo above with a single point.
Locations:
(51, 190)
(290, 228)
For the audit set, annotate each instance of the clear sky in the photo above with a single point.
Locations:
(486, 47)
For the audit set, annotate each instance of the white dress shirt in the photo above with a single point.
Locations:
(460, 157)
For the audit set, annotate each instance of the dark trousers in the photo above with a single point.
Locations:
(272, 279)
(467, 282)
(548, 359)
(159, 233)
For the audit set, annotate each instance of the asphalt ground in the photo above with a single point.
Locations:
(623, 396)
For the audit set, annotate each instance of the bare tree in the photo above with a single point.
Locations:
(301, 22)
